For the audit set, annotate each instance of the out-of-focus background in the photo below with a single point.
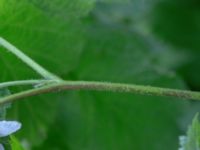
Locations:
(147, 42)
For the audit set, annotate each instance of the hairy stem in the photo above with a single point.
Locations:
(27, 60)
(103, 86)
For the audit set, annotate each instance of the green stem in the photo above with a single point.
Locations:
(27, 60)
(80, 85)
(24, 82)
(103, 86)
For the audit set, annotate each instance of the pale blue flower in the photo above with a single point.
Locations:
(7, 128)
(1, 147)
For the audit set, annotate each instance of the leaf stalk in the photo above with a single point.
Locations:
(27, 60)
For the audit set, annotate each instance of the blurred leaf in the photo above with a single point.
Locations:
(64, 8)
(177, 22)
(15, 145)
(192, 140)
(135, 17)
(36, 115)
(110, 121)
(124, 12)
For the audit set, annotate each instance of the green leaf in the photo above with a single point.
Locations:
(111, 121)
(37, 34)
(15, 145)
(192, 140)
(54, 42)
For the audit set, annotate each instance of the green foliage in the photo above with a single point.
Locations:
(192, 140)
(117, 42)
(15, 145)
(28, 27)
(91, 120)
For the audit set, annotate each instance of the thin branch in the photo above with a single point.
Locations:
(27, 60)
(103, 86)
(25, 82)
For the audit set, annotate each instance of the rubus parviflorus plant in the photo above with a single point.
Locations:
(99, 75)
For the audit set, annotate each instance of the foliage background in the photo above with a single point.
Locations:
(148, 42)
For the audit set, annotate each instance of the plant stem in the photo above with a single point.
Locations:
(103, 86)
(79, 85)
(24, 82)
(27, 60)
